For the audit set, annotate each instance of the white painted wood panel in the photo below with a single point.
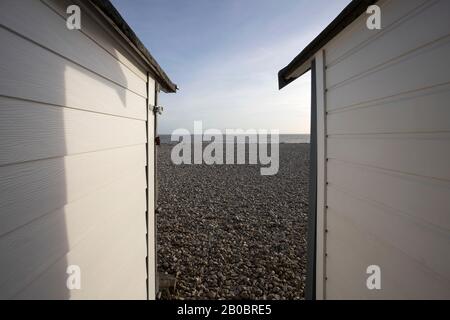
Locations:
(31, 131)
(97, 255)
(430, 22)
(421, 69)
(134, 285)
(424, 243)
(30, 190)
(73, 122)
(34, 73)
(33, 248)
(388, 150)
(426, 155)
(25, 17)
(97, 29)
(356, 36)
(420, 111)
(352, 249)
(394, 190)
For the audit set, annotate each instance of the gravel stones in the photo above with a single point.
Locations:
(227, 232)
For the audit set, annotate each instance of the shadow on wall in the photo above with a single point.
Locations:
(54, 196)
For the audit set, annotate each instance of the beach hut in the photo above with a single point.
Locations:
(78, 95)
(380, 151)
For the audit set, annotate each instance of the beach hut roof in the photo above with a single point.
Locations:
(117, 22)
(302, 62)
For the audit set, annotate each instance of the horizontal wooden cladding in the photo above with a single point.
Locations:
(388, 152)
(131, 283)
(34, 73)
(101, 32)
(430, 22)
(32, 189)
(426, 155)
(100, 258)
(25, 17)
(31, 131)
(352, 248)
(420, 111)
(31, 249)
(424, 243)
(424, 68)
(423, 200)
(357, 36)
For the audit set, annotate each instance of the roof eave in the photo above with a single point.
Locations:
(350, 13)
(115, 19)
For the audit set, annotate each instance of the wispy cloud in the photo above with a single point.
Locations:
(241, 90)
(225, 55)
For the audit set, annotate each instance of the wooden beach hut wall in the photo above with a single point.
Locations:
(380, 152)
(77, 155)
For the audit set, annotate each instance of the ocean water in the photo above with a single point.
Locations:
(283, 138)
(294, 138)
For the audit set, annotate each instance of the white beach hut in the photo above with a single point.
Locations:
(380, 192)
(77, 153)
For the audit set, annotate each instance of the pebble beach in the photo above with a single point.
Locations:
(227, 232)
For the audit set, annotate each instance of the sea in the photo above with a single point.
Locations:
(283, 138)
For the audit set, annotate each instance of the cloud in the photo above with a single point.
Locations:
(240, 90)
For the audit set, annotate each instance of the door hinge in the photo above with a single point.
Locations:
(158, 109)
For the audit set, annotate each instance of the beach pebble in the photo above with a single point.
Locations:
(226, 231)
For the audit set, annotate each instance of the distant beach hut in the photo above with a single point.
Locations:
(77, 155)
(380, 150)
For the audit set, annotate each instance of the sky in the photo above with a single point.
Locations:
(225, 55)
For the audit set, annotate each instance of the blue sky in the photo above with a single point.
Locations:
(225, 54)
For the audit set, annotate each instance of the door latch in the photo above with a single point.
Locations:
(158, 109)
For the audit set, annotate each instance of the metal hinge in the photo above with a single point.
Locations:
(158, 109)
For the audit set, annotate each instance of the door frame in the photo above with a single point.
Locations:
(310, 288)
(151, 263)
